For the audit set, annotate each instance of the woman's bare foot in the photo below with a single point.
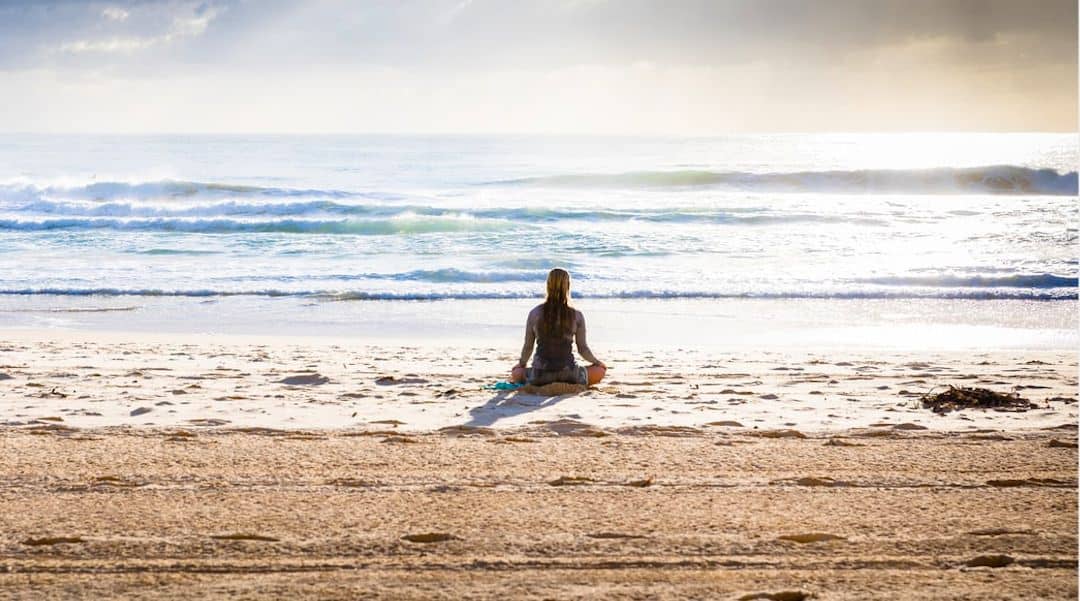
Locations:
(596, 373)
(517, 375)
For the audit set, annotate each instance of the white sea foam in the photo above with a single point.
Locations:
(434, 293)
(401, 224)
(791, 217)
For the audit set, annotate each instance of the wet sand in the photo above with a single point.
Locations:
(357, 471)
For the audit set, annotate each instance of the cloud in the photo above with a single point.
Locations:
(692, 66)
(194, 25)
(182, 26)
(452, 14)
(114, 13)
(108, 45)
(485, 34)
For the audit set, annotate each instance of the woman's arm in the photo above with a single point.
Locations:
(582, 343)
(530, 338)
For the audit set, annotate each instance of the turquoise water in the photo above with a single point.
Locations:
(957, 216)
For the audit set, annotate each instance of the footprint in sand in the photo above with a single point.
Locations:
(571, 481)
(779, 596)
(613, 535)
(1002, 532)
(467, 431)
(989, 561)
(810, 481)
(350, 483)
(315, 379)
(391, 380)
(52, 540)
(208, 422)
(812, 537)
(837, 442)
(429, 537)
(1013, 483)
(250, 537)
(115, 482)
(570, 427)
(778, 433)
(909, 426)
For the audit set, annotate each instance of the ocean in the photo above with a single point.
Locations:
(159, 227)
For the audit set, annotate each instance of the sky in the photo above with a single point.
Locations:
(666, 67)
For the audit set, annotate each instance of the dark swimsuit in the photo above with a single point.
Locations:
(554, 359)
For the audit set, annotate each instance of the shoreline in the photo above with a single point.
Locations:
(664, 324)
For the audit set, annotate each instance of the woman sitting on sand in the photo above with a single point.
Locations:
(554, 326)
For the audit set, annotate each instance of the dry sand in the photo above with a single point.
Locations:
(89, 381)
(686, 475)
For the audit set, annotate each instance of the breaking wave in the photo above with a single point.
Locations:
(303, 216)
(1044, 280)
(406, 224)
(996, 179)
(158, 190)
(1029, 294)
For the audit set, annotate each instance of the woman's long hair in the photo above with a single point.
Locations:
(558, 316)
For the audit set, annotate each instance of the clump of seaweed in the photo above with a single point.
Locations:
(961, 397)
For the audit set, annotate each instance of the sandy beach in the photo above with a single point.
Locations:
(246, 468)
(669, 514)
(95, 380)
(266, 269)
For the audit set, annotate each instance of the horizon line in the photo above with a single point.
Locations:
(540, 134)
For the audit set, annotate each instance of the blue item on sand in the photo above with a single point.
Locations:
(503, 386)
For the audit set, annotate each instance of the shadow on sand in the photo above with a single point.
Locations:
(511, 403)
